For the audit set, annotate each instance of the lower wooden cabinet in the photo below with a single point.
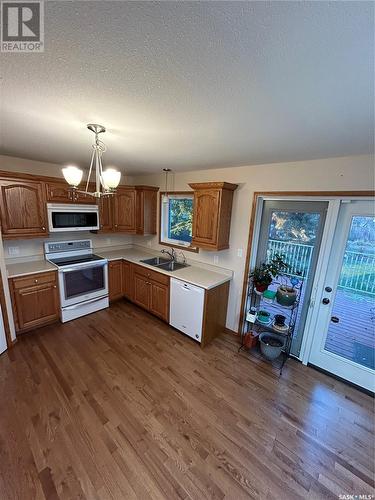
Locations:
(35, 300)
(151, 291)
(115, 279)
(127, 280)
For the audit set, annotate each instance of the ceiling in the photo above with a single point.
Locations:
(193, 85)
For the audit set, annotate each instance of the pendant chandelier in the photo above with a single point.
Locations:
(106, 181)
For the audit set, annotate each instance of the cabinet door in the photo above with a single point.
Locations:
(115, 279)
(106, 214)
(124, 212)
(205, 217)
(23, 208)
(36, 305)
(141, 291)
(127, 280)
(159, 300)
(58, 192)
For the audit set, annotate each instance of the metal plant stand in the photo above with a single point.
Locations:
(257, 302)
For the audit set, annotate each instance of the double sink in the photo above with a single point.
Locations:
(166, 264)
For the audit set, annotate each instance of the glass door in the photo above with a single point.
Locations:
(293, 229)
(343, 341)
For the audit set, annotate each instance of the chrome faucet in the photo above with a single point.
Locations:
(171, 253)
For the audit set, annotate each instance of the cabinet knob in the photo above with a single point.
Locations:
(35, 281)
(43, 228)
(54, 286)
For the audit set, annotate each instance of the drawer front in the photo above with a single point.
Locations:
(34, 279)
(151, 275)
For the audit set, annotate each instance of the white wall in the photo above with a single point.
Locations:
(333, 174)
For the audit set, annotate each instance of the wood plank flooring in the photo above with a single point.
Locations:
(117, 405)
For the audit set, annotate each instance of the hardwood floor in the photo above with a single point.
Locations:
(119, 405)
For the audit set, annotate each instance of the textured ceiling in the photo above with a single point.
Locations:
(190, 85)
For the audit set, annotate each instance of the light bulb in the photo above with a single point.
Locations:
(73, 175)
(111, 178)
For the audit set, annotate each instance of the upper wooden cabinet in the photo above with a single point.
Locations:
(59, 192)
(212, 214)
(132, 209)
(124, 210)
(146, 202)
(106, 214)
(23, 208)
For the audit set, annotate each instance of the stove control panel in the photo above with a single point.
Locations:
(67, 246)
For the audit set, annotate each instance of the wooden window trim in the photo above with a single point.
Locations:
(180, 247)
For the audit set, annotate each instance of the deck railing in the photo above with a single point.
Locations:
(357, 273)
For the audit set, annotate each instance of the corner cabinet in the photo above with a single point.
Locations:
(212, 214)
(22, 208)
(35, 300)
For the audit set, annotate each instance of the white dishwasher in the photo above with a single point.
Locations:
(186, 308)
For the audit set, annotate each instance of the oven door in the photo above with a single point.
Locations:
(72, 217)
(83, 282)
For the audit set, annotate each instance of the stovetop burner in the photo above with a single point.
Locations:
(69, 261)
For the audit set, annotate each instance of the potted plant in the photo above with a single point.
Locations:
(263, 274)
(286, 295)
(271, 345)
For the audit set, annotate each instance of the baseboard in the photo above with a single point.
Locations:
(230, 332)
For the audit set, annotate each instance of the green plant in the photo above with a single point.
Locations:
(267, 271)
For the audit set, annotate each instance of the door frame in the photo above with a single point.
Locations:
(334, 199)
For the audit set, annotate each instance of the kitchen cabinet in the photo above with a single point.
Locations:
(146, 203)
(124, 219)
(212, 208)
(58, 191)
(131, 210)
(22, 208)
(35, 300)
(151, 291)
(106, 214)
(127, 280)
(115, 279)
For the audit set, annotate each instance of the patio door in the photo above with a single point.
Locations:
(343, 338)
(293, 229)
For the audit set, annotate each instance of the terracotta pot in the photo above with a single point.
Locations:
(286, 295)
(260, 287)
(250, 340)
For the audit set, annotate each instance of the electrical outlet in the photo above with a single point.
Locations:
(13, 251)
(216, 259)
(149, 243)
(239, 252)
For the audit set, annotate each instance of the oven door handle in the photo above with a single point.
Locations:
(86, 266)
(75, 306)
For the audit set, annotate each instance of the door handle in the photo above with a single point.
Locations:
(335, 319)
(325, 300)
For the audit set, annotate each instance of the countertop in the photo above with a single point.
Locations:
(29, 267)
(197, 273)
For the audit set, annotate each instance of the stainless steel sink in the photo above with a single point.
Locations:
(172, 266)
(156, 261)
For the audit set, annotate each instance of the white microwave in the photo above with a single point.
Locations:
(65, 217)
